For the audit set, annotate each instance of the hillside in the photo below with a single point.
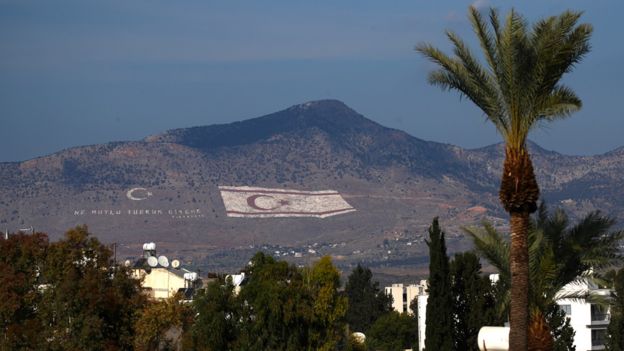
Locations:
(396, 182)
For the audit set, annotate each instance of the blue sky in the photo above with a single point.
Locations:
(86, 72)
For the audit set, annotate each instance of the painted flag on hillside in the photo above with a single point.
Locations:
(244, 201)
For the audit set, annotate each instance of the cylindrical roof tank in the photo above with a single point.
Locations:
(494, 338)
(191, 276)
(149, 247)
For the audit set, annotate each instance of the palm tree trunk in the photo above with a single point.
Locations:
(519, 262)
(519, 193)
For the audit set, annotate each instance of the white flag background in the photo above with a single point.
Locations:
(244, 201)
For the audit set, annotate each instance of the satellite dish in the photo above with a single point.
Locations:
(152, 261)
(175, 264)
(163, 261)
(127, 263)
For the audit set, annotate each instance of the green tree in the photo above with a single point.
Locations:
(473, 301)
(89, 302)
(366, 300)
(518, 89)
(560, 253)
(154, 322)
(280, 307)
(615, 340)
(439, 331)
(393, 331)
(276, 307)
(216, 323)
(21, 258)
(562, 331)
(329, 307)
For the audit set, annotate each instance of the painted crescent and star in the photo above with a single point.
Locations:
(251, 202)
(138, 197)
(139, 194)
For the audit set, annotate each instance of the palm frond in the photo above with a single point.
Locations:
(560, 103)
(559, 44)
(518, 86)
(479, 82)
(577, 291)
(491, 245)
(463, 74)
(487, 39)
(563, 258)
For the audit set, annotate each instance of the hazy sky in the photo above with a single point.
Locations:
(86, 72)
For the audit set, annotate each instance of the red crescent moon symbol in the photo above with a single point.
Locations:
(251, 201)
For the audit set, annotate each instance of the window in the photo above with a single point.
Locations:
(404, 299)
(598, 336)
(567, 309)
(598, 313)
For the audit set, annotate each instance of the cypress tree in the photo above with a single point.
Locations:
(366, 300)
(474, 302)
(439, 331)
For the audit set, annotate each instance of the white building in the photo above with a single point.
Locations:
(402, 296)
(589, 320)
(161, 279)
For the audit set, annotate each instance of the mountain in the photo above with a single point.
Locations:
(397, 183)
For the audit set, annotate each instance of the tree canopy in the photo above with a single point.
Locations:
(615, 339)
(280, 307)
(393, 331)
(474, 301)
(366, 300)
(439, 331)
(560, 253)
(21, 260)
(65, 295)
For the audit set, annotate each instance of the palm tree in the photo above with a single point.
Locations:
(559, 254)
(518, 89)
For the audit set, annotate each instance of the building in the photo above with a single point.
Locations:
(422, 314)
(161, 279)
(402, 296)
(589, 320)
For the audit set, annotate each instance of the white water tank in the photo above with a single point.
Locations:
(359, 337)
(149, 247)
(191, 276)
(494, 339)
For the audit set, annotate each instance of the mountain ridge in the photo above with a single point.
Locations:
(397, 183)
(163, 136)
